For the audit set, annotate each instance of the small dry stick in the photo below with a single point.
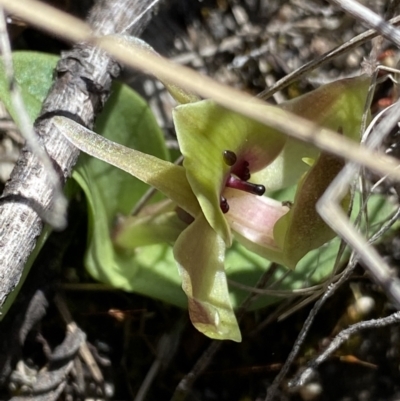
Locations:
(84, 351)
(342, 337)
(57, 215)
(306, 327)
(369, 18)
(312, 65)
(329, 209)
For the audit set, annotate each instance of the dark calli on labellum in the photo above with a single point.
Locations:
(238, 178)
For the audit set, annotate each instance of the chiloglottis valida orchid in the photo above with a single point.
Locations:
(228, 162)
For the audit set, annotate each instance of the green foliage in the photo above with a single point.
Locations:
(33, 73)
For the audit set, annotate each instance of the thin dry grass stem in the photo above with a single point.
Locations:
(149, 8)
(261, 283)
(331, 212)
(342, 337)
(332, 279)
(318, 62)
(306, 327)
(276, 293)
(273, 316)
(369, 18)
(386, 227)
(166, 349)
(185, 385)
(284, 293)
(56, 217)
(300, 304)
(235, 100)
(49, 19)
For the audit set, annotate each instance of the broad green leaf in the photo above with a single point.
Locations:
(33, 73)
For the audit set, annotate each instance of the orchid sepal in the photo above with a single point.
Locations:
(167, 177)
(201, 265)
(339, 104)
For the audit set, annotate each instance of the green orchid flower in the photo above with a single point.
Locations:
(215, 188)
(200, 248)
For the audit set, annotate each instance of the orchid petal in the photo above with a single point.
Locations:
(205, 130)
(200, 254)
(167, 177)
(339, 104)
(302, 229)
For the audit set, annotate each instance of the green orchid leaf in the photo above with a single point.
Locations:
(200, 253)
(338, 106)
(33, 73)
(205, 130)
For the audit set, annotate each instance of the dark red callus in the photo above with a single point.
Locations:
(238, 179)
(224, 205)
(242, 171)
(229, 157)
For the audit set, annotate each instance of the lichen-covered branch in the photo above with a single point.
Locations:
(83, 80)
